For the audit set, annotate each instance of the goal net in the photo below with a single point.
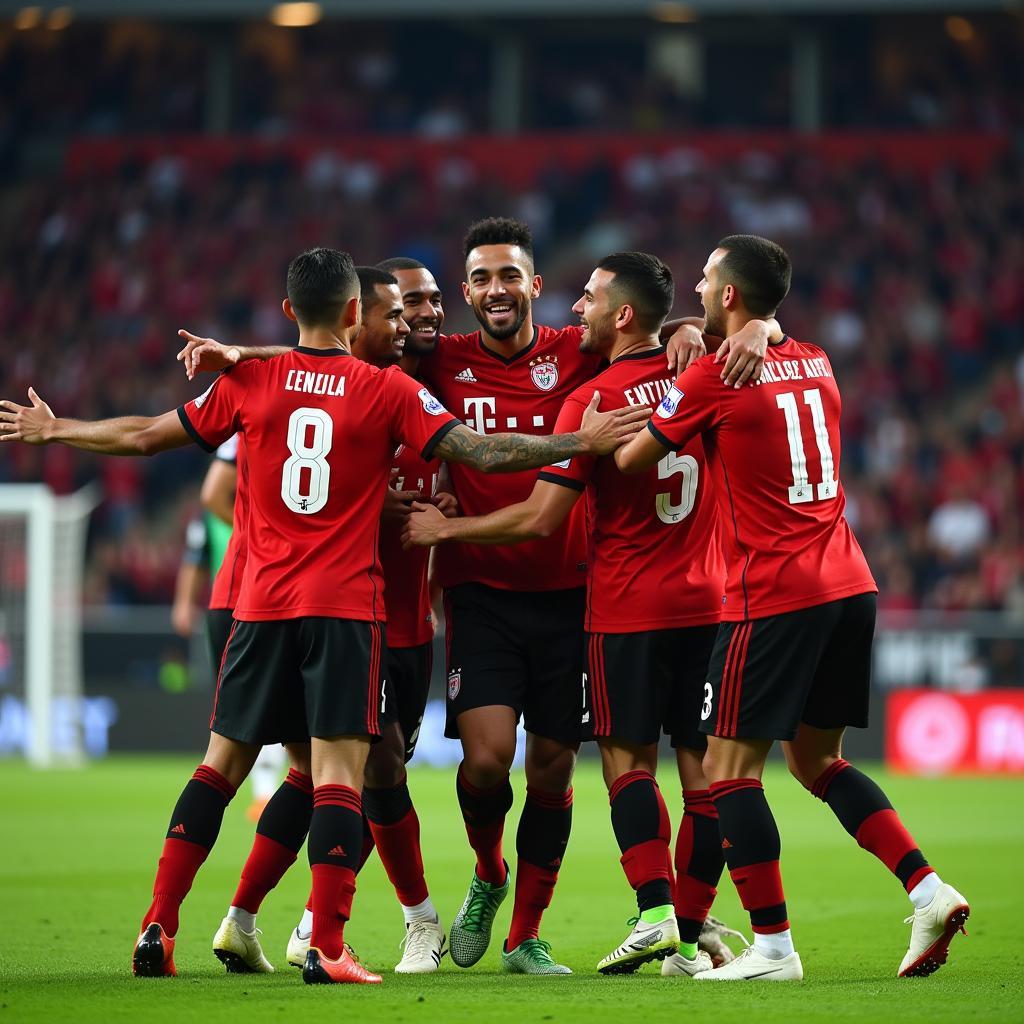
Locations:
(42, 550)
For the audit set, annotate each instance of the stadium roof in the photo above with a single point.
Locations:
(660, 10)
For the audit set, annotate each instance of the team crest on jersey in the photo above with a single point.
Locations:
(430, 403)
(454, 683)
(544, 372)
(670, 402)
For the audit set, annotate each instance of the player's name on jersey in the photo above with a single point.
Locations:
(310, 383)
(782, 370)
(650, 392)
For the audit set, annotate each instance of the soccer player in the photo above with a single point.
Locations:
(514, 618)
(304, 654)
(654, 587)
(793, 655)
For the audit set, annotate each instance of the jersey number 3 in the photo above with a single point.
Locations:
(801, 490)
(306, 474)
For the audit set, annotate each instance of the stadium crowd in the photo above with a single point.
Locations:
(911, 283)
(132, 78)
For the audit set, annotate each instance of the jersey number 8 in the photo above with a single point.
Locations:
(306, 474)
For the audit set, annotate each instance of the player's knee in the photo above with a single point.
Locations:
(486, 768)
(299, 757)
(806, 769)
(385, 767)
(551, 770)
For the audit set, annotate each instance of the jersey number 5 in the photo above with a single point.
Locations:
(669, 466)
(306, 474)
(801, 490)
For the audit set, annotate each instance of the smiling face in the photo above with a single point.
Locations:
(381, 337)
(500, 286)
(597, 314)
(422, 310)
(709, 288)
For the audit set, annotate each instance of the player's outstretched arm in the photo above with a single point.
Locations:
(684, 342)
(539, 516)
(644, 451)
(207, 355)
(599, 434)
(125, 435)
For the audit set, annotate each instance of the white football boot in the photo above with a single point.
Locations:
(424, 944)
(677, 964)
(753, 966)
(933, 929)
(240, 951)
(646, 942)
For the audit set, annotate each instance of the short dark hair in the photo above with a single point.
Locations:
(498, 231)
(400, 263)
(759, 268)
(369, 278)
(643, 282)
(320, 281)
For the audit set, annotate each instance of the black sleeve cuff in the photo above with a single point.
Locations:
(436, 438)
(553, 478)
(192, 432)
(660, 437)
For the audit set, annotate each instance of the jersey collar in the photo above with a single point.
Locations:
(326, 352)
(511, 359)
(647, 353)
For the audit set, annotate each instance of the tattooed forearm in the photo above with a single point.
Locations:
(506, 453)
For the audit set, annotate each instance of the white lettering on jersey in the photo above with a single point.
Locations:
(307, 382)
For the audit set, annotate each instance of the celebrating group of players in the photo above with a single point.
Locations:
(709, 587)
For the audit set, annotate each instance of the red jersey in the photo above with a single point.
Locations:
(523, 394)
(320, 432)
(773, 449)
(406, 592)
(655, 554)
(228, 581)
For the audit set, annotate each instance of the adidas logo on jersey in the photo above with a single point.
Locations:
(466, 376)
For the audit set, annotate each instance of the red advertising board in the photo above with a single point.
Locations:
(928, 732)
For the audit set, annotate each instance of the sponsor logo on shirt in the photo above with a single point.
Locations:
(430, 403)
(544, 372)
(670, 402)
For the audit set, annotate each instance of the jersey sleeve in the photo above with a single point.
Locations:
(573, 472)
(213, 417)
(417, 418)
(691, 406)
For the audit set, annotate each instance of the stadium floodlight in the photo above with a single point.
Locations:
(42, 550)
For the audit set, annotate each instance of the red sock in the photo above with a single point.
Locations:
(268, 861)
(333, 889)
(698, 861)
(195, 823)
(534, 889)
(483, 811)
(400, 853)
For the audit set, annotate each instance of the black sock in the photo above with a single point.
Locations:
(387, 806)
(286, 817)
(642, 830)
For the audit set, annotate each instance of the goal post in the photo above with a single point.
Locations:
(42, 552)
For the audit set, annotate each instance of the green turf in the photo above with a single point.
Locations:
(79, 850)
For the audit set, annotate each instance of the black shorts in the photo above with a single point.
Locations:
(283, 681)
(404, 689)
(218, 628)
(520, 649)
(642, 684)
(812, 665)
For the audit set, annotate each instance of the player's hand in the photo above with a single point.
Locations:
(183, 617)
(423, 526)
(397, 504)
(743, 353)
(205, 355)
(603, 432)
(28, 423)
(447, 504)
(685, 346)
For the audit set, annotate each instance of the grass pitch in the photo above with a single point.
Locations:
(79, 850)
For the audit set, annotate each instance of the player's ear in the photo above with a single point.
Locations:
(538, 284)
(288, 311)
(465, 293)
(351, 315)
(624, 317)
(730, 297)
